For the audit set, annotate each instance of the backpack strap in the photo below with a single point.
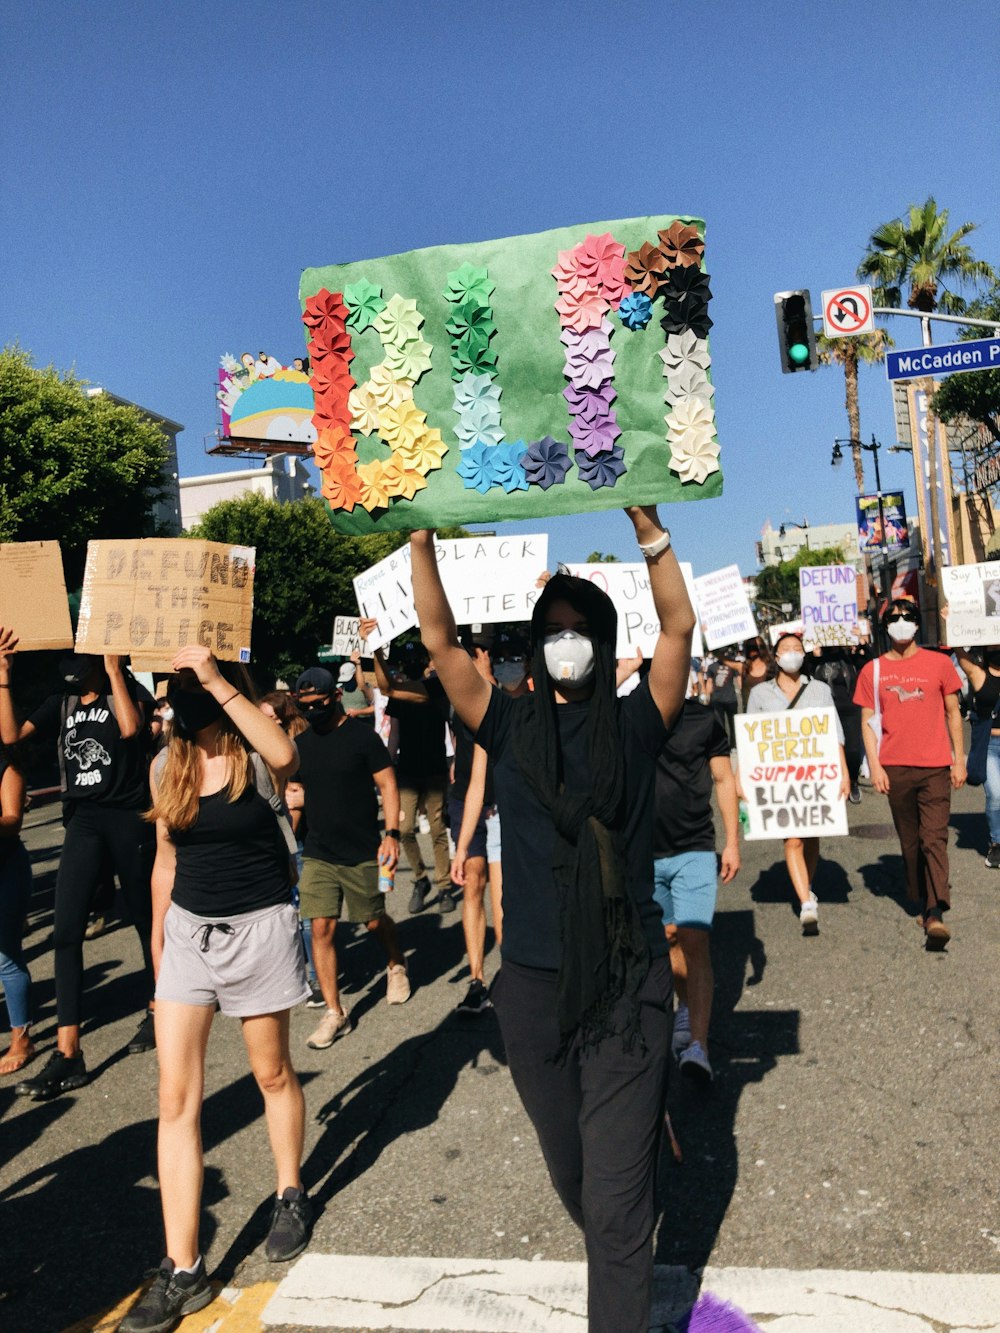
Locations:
(265, 787)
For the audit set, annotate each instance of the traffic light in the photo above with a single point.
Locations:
(796, 339)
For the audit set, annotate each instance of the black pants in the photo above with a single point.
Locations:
(726, 713)
(854, 747)
(598, 1118)
(93, 833)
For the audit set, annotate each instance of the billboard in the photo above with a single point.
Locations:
(262, 400)
(897, 536)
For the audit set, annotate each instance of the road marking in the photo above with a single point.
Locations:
(360, 1292)
(234, 1310)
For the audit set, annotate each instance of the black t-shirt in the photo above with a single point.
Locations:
(531, 935)
(100, 766)
(465, 744)
(341, 806)
(723, 687)
(684, 782)
(233, 859)
(421, 759)
(841, 675)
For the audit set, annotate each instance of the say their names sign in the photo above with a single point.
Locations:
(33, 595)
(152, 597)
(488, 580)
(628, 587)
(790, 770)
(973, 595)
(723, 607)
(829, 599)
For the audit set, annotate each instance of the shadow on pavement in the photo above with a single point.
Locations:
(971, 832)
(745, 1047)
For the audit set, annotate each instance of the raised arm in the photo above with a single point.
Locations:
(127, 711)
(407, 691)
(468, 691)
(668, 673)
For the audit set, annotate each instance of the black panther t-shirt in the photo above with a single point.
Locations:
(341, 806)
(531, 935)
(684, 782)
(99, 765)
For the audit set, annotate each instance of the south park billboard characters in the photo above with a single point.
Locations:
(553, 373)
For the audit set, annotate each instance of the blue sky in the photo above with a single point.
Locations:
(168, 170)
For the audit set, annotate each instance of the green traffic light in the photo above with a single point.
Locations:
(799, 353)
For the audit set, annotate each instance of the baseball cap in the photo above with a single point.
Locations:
(317, 680)
(346, 673)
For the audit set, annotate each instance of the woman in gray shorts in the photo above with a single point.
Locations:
(225, 933)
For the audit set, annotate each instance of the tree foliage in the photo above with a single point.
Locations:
(866, 349)
(780, 583)
(72, 468)
(918, 251)
(975, 395)
(600, 558)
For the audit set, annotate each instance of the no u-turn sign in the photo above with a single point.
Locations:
(847, 311)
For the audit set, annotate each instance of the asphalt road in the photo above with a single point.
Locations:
(852, 1124)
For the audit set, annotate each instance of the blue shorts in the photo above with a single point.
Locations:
(477, 843)
(685, 888)
(493, 837)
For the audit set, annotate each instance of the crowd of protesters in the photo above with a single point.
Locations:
(570, 791)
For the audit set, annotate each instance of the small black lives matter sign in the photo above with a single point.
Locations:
(150, 598)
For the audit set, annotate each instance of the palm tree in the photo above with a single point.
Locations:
(865, 349)
(918, 251)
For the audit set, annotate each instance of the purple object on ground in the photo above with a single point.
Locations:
(712, 1315)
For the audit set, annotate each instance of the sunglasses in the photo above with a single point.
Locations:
(901, 615)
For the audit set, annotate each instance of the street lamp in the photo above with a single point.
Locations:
(837, 457)
(804, 525)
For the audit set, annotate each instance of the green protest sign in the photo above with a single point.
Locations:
(553, 373)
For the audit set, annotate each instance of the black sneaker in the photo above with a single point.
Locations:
(993, 856)
(291, 1223)
(475, 1001)
(168, 1300)
(446, 902)
(421, 888)
(63, 1073)
(855, 796)
(315, 1000)
(145, 1037)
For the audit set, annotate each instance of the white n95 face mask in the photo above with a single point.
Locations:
(791, 662)
(569, 657)
(902, 631)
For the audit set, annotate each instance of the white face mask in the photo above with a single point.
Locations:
(509, 674)
(902, 631)
(791, 662)
(569, 657)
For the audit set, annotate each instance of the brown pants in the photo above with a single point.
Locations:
(433, 801)
(920, 801)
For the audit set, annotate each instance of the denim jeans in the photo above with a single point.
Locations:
(993, 788)
(15, 891)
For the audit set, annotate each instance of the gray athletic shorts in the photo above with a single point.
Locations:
(250, 964)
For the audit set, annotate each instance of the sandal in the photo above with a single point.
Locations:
(14, 1059)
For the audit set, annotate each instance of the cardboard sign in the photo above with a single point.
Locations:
(515, 378)
(33, 595)
(488, 580)
(829, 598)
(152, 597)
(723, 607)
(346, 636)
(973, 596)
(790, 770)
(628, 587)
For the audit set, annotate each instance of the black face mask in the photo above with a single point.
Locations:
(193, 711)
(317, 714)
(993, 660)
(75, 672)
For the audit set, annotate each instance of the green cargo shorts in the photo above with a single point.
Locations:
(324, 888)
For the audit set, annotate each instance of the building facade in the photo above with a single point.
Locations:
(281, 477)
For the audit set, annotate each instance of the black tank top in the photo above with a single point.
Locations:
(232, 859)
(986, 699)
(7, 845)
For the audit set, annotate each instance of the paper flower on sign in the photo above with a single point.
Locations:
(688, 382)
(401, 424)
(636, 310)
(581, 307)
(331, 378)
(331, 412)
(399, 322)
(589, 363)
(423, 453)
(477, 468)
(374, 485)
(364, 302)
(473, 389)
(469, 283)
(694, 455)
(583, 401)
(685, 302)
(385, 388)
(681, 245)
(341, 488)
(481, 421)
(507, 467)
(472, 355)
(684, 349)
(334, 446)
(324, 307)
(546, 462)
(567, 269)
(470, 317)
(401, 482)
(598, 255)
(364, 410)
(408, 361)
(602, 469)
(646, 270)
(331, 340)
(595, 435)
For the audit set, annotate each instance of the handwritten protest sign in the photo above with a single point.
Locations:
(628, 587)
(152, 597)
(723, 608)
(346, 636)
(973, 596)
(33, 595)
(790, 770)
(514, 378)
(829, 599)
(488, 580)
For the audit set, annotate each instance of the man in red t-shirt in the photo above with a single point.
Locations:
(919, 758)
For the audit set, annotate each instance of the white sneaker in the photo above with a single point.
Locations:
(397, 984)
(331, 1026)
(695, 1063)
(809, 916)
(681, 1039)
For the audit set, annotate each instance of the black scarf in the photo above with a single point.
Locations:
(604, 952)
